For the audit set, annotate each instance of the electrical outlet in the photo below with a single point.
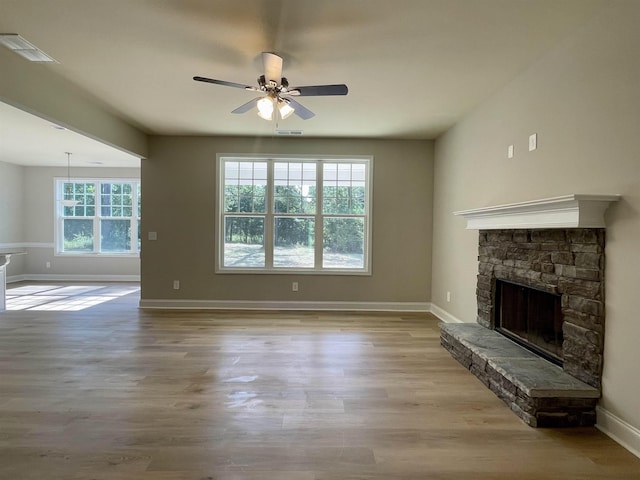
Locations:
(153, 236)
(448, 296)
(47, 265)
(176, 284)
(294, 287)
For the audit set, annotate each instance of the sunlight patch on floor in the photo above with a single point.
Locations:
(64, 297)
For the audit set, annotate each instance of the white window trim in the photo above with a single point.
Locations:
(219, 243)
(58, 184)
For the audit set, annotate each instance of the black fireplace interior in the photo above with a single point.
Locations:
(530, 317)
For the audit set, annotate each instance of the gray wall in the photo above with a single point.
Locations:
(39, 227)
(27, 220)
(583, 101)
(178, 201)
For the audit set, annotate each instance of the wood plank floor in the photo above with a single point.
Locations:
(115, 393)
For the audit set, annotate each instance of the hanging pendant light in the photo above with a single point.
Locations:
(68, 200)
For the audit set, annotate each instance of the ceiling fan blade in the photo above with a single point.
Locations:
(319, 90)
(247, 106)
(300, 110)
(272, 67)
(223, 82)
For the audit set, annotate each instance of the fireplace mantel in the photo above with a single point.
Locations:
(568, 211)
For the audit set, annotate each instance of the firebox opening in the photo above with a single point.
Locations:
(531, 318)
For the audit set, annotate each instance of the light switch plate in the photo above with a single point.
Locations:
(153, 235)
(510, 151)
(533, 142)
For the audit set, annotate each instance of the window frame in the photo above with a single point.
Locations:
(269, 215)
(59, 217)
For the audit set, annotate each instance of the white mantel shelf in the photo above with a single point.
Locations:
(568, 211)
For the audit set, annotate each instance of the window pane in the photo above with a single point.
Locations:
(245, 187)
(281, 171)
(344, 174)
(245, 173)
(83, 194)
(343, 243)
(309, 172)
(330, 171)
(115, 236)
(295, 187)
(231, 170)
(260, 171)
(244, 242)
(343, 189)
(231, 198)
(293, 242)
(78, 235)
(357, 201)
(295, 172)
(113, 196)
(358, 172)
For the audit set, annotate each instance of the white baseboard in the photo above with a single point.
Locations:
(72, 278)
(16, 278)
(625, 434)
(419, 307)
(443, 315)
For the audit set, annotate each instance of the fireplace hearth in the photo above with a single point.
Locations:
(557, 274)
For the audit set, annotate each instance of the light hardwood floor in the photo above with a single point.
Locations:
(112, 392)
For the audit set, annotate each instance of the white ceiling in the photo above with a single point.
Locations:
(26, 139)
(413, 67)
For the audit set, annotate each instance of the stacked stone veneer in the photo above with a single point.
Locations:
(568, 262)
(540, 393)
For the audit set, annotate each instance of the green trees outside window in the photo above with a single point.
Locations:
(295, 214)
(104, 218)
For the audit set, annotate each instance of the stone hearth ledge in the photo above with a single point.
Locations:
(540, 393)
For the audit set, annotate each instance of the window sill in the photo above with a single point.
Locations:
(97, 255)
(262, 271)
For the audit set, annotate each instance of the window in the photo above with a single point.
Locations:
(293, 214)
(98, 217)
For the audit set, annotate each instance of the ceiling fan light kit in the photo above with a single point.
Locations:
(277, 91)
(265, 108)
(285, 109)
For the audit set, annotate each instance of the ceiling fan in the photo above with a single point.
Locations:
(277, 92)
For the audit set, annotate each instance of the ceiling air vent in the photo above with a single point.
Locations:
(19, 45)
(292, 133)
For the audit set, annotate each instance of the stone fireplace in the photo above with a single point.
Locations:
(564, 262)
(540, 285)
